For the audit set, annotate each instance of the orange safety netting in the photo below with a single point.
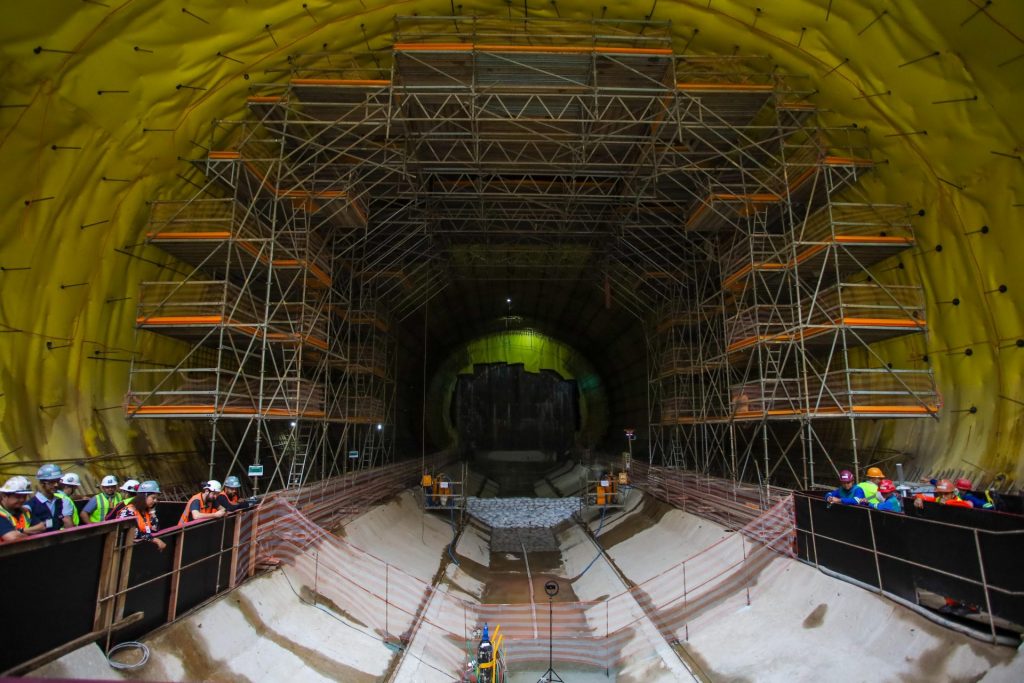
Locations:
(626, 627)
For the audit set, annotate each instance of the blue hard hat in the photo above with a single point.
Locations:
(48, 473)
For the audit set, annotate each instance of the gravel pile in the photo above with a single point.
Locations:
(517, 540)
(518, 513)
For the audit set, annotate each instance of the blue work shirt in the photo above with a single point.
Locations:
(975, 501)
(890, 504)
(847, 497)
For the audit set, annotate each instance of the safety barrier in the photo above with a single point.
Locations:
(101, 586)
(607, 633)
(923, 557)
(95, 584)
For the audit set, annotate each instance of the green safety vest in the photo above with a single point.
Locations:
(74, 508)
(870, 491)
(103, 506)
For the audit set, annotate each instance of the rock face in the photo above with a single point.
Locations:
(519, 513)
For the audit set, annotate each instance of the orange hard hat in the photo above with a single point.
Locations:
(875, 472)
(944, 486)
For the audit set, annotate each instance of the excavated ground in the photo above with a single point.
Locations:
(799, 623)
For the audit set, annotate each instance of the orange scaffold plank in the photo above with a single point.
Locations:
(815, 330)
(318, 273)
(866, 240)
(726, 87)
(209, 409)
(558, 49)
(247, 328)
(356, 82)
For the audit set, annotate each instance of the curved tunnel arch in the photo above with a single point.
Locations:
(101, 103)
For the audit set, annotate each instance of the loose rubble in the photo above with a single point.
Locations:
(518, 513)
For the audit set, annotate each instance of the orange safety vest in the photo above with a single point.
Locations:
(142, 521)
(19, 522)
(955, 502)
(202, 507)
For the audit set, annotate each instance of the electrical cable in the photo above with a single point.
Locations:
(121, 666)
(600, 550)
(455, 533)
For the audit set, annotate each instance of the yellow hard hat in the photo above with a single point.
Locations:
(875, 472)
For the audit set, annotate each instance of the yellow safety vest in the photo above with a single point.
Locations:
(74, 508)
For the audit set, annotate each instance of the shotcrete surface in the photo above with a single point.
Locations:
(799, 622)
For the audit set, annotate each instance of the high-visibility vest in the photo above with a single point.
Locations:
(19, 522)
(143, 521)
(103, 506)
(870, 490)
(203, 507)
(74, 508)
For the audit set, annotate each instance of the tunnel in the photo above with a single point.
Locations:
(110, 111)
(754, 242)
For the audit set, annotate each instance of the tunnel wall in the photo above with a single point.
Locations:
(102, 100)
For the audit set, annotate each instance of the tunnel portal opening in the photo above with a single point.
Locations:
(514, 423)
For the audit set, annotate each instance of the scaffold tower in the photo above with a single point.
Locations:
(700, 193)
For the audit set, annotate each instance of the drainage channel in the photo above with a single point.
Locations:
(396, 667)
(688, 661)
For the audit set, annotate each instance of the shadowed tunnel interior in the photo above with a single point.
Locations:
(107, 108)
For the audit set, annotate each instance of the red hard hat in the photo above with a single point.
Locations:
(886, 486)
(944, 486)
(963, 484)
(845, 475)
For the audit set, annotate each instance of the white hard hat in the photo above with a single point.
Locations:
(109, 480)
(132, 485)
(71, 479)
(213, 485)
(16, 485)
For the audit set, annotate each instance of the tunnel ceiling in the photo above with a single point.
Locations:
(104, 104)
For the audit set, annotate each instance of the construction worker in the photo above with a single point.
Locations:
(847, 493)
(45, 506)
(100, 506)
(69, 485)
(963, 490)
(869, 487)
(143, 510)
(15, 518)
(603, 489)
(127, 494)
(228, 500)
(945, 494)
(427, 482)
(485, 655)
(890, 500)
(203, 505)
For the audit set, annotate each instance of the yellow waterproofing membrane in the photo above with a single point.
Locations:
(100, 98)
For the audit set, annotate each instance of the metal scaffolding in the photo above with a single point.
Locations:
(698, 192)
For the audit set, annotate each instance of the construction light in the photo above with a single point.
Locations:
(380, 427)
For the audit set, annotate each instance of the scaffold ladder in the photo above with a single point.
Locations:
(303, 439)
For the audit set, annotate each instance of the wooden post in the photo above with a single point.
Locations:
(126, 565)
(252, 542)
(232, 579)
(107, 582)
(172, 600)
